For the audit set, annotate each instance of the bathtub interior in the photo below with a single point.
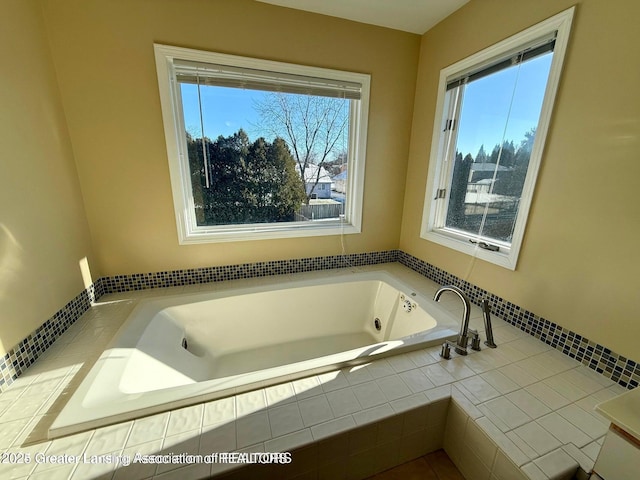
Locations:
(185, 352)
(201, 340)
(277, 328)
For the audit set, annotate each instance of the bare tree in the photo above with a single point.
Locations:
(314, 128)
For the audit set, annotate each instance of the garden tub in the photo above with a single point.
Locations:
(179, 350)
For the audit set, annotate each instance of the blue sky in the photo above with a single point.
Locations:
(225, 110)
(485, 118)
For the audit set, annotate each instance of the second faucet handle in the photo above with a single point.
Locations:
(475, 340)
(446, 351)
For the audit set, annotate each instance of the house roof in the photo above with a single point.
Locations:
(311, 173)
(488, 167)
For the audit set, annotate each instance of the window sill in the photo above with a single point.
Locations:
(237, 233)
(506, 258)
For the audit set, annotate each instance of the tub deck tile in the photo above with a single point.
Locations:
(564, 430)
(416, 380)
(333, 427)
(253, 429)
(285, 419)
(379, 368)
(499, 381)
(315, 410)
(333, 381)
(148, 428)
(357, 375)
(223, 410)
(369, 394)
(393, 387)
(343, 402)
(221, 437)
(307, 387)
(528, 403)
(422, 358)
(437, 374)
(477, 389)
(185, 419)
(547, 395)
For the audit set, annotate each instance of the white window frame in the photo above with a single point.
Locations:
(172, 114)
(432, 226)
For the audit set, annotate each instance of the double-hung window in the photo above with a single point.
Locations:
(254, 146)
(492, 116)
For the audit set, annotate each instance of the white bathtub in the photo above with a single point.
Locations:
(179, 350)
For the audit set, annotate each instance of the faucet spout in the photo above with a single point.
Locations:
(463, 340)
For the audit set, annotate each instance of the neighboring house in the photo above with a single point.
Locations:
(340, 182)
(479, 191)
(481, 186)
(483, 171)
(321, 189)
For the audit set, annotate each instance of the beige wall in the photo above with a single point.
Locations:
(43, 230)
(103, 52)
(579, 261)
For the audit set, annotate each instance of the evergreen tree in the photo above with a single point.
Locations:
(503, 154)
(456, 211)
(508, 153)
(248, 182)
(511, 183)
(495, 154)
(196, 167)
(481, 157)
(526, 146)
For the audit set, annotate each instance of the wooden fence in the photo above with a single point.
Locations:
(319, 211)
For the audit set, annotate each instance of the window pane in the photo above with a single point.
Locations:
(497, 125)
(249, 151)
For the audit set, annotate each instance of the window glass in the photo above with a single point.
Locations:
(498, 119)
(249, 151)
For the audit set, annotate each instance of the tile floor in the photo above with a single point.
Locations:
(433, 466)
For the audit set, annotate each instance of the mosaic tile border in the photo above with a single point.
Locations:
(624, 371)
(621, 370)
(16, 360)
(124, 283)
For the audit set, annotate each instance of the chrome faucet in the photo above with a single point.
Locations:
(461, 344)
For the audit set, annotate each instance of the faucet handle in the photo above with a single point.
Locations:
(475, 340)
(446, 351)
